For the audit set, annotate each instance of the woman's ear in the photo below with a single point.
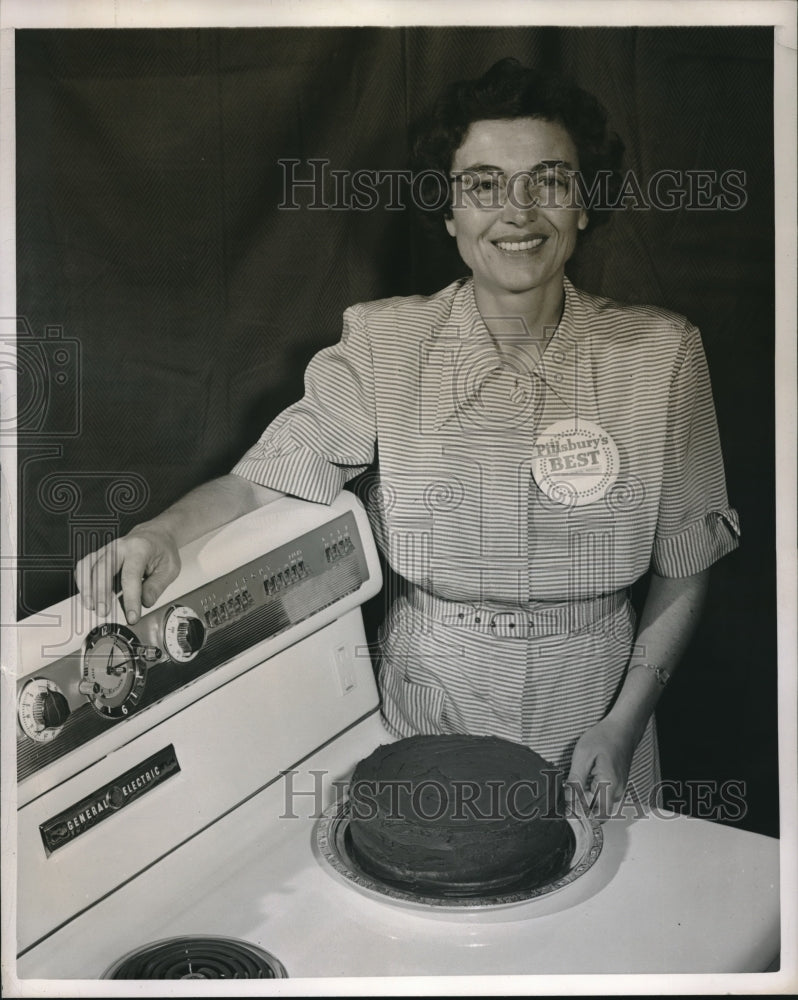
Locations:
(583, 219)
(451, 229)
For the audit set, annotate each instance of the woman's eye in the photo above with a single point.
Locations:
(551, 180)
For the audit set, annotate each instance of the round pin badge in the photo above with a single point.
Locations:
(575, 462)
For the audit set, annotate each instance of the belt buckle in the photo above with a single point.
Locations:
(517, 626)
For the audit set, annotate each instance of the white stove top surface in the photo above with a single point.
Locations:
(667, 895)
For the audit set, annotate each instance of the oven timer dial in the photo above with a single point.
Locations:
(115, 670)
(42, 710)
(183, 634)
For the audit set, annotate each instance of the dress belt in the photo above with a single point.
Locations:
(517, 621)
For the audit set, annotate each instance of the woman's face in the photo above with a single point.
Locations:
(513, 237)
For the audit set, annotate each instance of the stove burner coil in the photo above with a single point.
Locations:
(197, 958)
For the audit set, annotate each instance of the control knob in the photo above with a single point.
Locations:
(183, 634)
(42, 710)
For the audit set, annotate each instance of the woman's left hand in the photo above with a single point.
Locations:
(600, 765)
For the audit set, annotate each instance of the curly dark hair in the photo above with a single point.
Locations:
(510, 90)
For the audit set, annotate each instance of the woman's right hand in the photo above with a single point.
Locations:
(147, 560)
(148, 557)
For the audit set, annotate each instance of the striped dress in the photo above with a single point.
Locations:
(519, 500)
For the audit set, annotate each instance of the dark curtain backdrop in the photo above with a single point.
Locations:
(168, 307)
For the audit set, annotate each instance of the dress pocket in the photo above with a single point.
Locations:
(424, 706)
(410, 709)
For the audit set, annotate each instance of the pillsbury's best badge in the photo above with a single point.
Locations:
(575, 462)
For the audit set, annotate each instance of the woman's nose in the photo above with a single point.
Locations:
(521, 200)
(519, 211)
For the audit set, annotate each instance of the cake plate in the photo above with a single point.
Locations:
(332, 844)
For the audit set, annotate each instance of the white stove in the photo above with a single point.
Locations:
(174, 778)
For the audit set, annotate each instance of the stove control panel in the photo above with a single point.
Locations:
(119, 670)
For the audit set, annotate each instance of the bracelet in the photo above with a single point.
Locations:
(660, 673)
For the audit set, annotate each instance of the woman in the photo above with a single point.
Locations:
(540, 449)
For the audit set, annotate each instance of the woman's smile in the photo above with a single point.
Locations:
(518, 246)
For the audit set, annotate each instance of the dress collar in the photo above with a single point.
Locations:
(462, 354)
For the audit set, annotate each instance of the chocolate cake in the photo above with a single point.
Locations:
(458, 815)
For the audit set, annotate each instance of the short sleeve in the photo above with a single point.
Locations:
(696, 526)
(316, 445)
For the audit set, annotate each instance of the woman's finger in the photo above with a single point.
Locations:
(102, 576)
(582, 763)
(134, 569)
(609, 787)
(157, 582)
(83, 578)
